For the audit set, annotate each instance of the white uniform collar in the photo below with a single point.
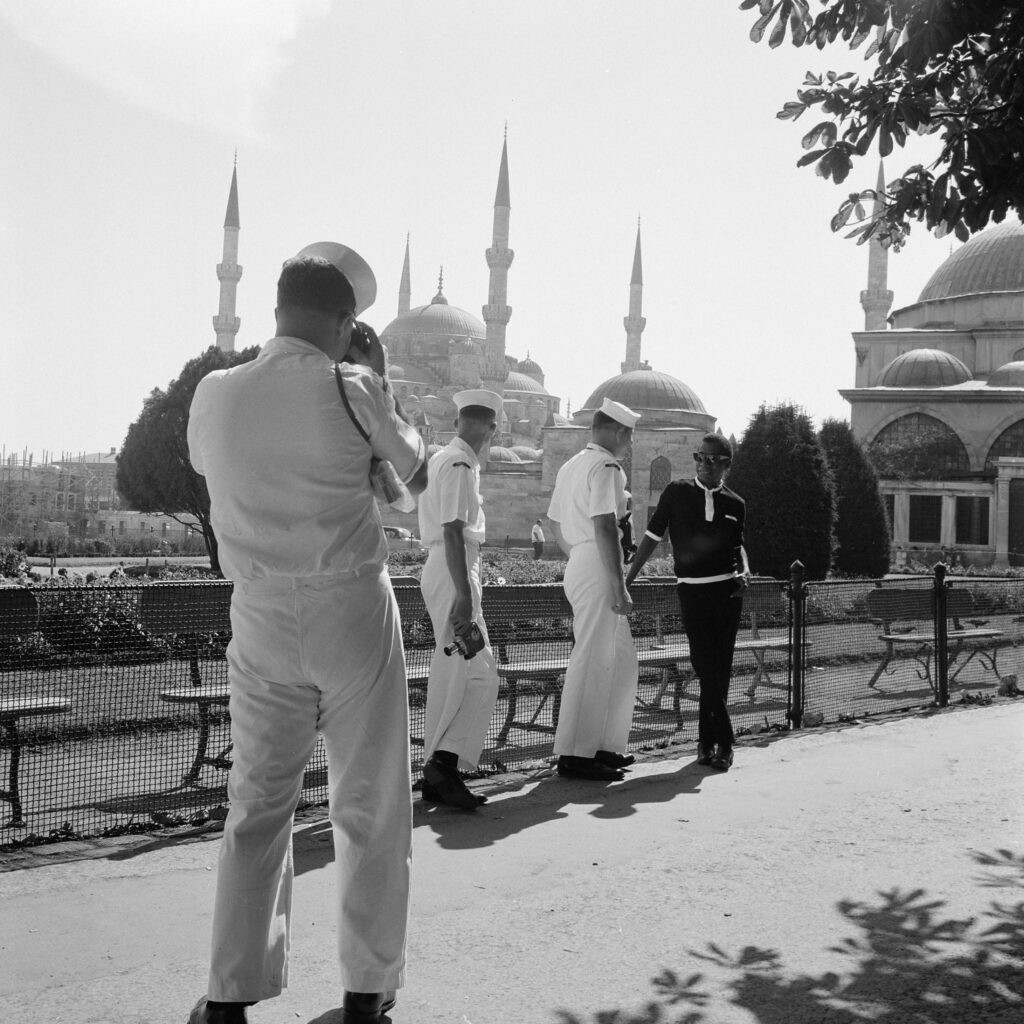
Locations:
(286, 343)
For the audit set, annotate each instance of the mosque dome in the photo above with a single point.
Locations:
(646, 389)
(516, 381)
(1009, 375)
(396, 372)
(991, 261)
(438, 320)
(924, 368)
(530, 367)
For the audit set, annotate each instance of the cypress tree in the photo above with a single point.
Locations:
(862, 529)
(779, 469)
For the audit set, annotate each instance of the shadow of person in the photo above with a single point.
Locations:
(551, 799)
(334, 1017)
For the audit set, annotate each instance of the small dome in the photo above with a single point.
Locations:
(396, 372)
(525, 453)
(496, 453)
(924, 368)
(516, 381)
(1009, 375)
(991, 261)
(646, 389)
(528, 366)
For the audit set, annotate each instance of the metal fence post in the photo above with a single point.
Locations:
(941, 637)
(797, 599)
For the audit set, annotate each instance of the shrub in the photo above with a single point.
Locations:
(779, 469)
(862, 531)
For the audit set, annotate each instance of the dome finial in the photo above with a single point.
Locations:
(439, 297)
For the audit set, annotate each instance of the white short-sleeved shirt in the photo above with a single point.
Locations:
(453, 492)
(591, 483)
(287, 470)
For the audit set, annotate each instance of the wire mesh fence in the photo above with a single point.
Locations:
(114, 697)
(872, 646)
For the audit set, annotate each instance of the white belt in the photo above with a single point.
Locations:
(707, 579)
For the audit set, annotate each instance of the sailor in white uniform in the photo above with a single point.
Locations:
(589, 499)
(461, 692)
(316, 644)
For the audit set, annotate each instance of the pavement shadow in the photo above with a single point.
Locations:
(907, 960)
(549, 799)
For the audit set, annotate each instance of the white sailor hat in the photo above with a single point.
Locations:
(620, 413)
(478, 396)
(352, 267)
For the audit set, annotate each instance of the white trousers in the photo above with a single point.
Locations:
(461, 694)
(601, 679)
(310, 656)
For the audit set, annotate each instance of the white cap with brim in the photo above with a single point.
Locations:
(478, 396)
(352, 267)
(620, 413)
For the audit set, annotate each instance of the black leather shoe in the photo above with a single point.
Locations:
(444, 785)
(588, 768)
(722, 760)
(705, 754)
(202, 1014)
(614, 760)
(366, 1007)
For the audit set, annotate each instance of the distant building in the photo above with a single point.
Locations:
(939, 399)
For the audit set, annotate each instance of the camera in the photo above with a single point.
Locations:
(363, 336)
(468, 645)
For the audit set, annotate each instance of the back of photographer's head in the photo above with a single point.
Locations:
(314, 283)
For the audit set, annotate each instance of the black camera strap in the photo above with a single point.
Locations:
(348, 405)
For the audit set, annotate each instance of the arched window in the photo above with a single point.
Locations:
(918, 447)
(1018, 356)
(661, 474)
(1010, 442)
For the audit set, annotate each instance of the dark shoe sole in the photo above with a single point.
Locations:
(591, 770)
(614, 760)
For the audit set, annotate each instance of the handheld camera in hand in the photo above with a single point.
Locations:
(467, 645)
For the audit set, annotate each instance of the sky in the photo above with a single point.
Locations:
(362, 121)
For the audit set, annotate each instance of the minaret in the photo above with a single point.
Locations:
(634, 323)
(225, 323)
(497, 312)
(405, 288)
(876, 301)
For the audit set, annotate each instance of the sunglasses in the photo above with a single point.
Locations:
(711, 460)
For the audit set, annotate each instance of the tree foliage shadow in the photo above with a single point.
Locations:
(908, 962)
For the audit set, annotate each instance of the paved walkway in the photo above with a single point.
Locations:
(873, 872)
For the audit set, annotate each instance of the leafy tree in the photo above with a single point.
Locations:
(153, 469)
(862, 530)
(780, 470)
(945, 67)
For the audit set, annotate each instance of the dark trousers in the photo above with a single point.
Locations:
(711, 618)
(538, 549)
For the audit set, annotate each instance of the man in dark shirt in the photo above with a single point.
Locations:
(704, 520)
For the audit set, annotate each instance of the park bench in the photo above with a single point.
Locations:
(191, 612)
(907, 618)
(546, 664)
(19, 616)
